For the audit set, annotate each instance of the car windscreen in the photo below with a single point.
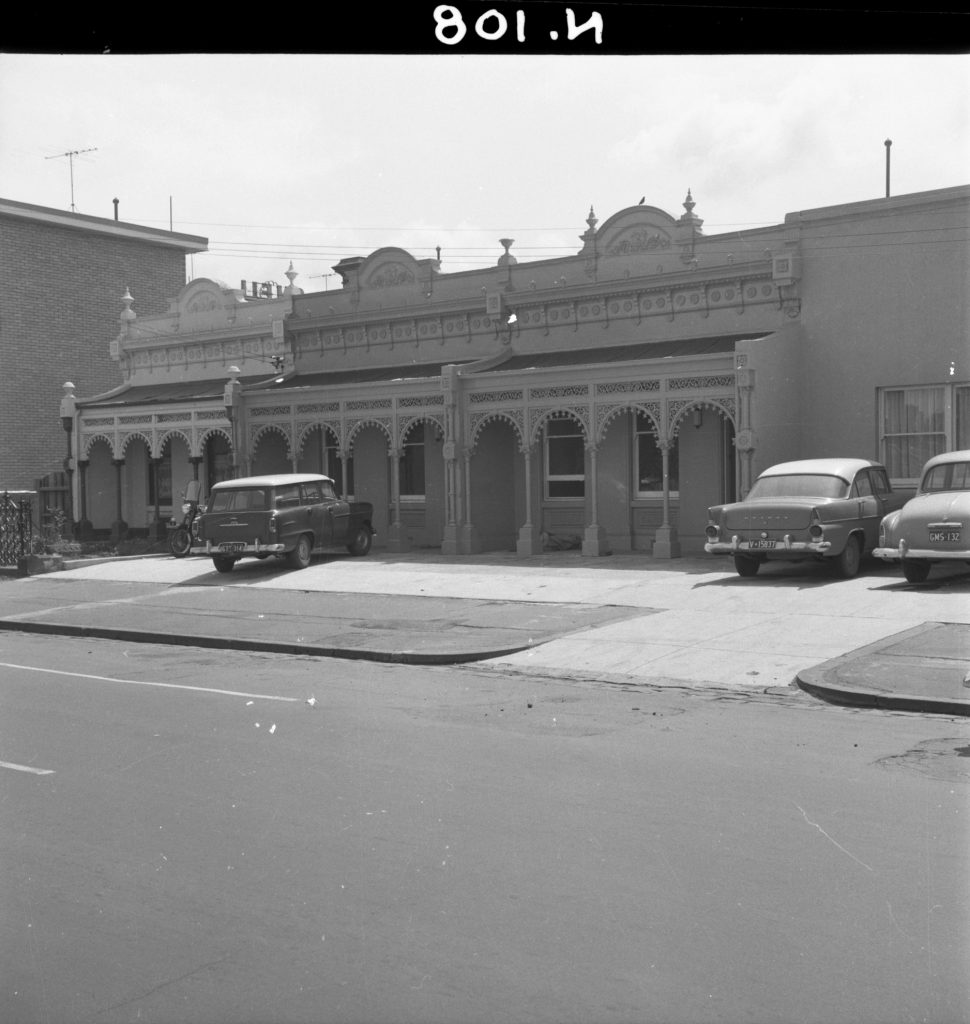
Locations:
(239, 499)
(948, 476)
(800, 485)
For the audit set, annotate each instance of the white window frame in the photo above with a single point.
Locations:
(548, 476)
(953, 433)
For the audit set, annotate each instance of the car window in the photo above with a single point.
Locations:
(950, 476)
(288, 496)
(327, 487)
(880, 482)
(800, 485)
(862, 486)
(242, 499)
(312, 494)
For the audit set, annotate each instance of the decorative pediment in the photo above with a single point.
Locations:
(636, 230)
(204, 299)
(389, 268)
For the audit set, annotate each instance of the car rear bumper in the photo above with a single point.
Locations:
(897, 554)
(783, 546)
(236, 549)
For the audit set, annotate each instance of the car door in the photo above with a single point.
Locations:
(316, 514)
(870, 507)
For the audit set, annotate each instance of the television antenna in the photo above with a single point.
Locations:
(71, 154)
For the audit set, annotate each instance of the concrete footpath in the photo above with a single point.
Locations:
(873, 641)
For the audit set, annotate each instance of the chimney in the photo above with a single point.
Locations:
(115, 201)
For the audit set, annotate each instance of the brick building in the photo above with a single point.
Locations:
(603, 399)
(60, 275)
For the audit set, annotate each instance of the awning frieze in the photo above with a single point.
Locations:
(559, 391)
(700, 383)
(417, 401)
(490, 397)
(628, 387)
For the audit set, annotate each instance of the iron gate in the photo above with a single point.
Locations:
(15, 526)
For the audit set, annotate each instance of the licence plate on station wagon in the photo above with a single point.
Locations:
(762, 544)
(232, 547)
(944, 536)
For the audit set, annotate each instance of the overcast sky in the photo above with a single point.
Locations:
(312, 158)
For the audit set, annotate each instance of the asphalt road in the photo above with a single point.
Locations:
(453, 845)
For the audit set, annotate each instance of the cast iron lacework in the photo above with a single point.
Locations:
(628, 386)
(481, 397)
(478, 421)
(696, 383)
(418, 400)
(368, 403)
(312, 407)
(561, 391)
(15, 517)
(276, 410)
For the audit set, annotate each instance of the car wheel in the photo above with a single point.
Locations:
(847, 564)
(915, 572)
(222, 563)
(299, 557)
(360, 545)
(746, 566)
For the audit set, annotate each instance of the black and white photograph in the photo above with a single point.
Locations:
(485, 518)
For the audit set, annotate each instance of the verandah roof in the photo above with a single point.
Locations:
(208, 390)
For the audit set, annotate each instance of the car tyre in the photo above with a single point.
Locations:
(361, 543)
(223, 563)
(299, 557)
(915, 572)
(181, 542)
(847, 564)
(746, 566)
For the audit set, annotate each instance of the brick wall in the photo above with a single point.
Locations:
(60, 298)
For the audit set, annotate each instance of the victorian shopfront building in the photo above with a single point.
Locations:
(600, 401)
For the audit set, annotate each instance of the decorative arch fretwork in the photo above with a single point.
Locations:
(606, 414)
(383, 424)
(539, 417)
(256, 432)
(213, 432)
(304, 430)
(406, 425)
(135, 435)
(93, 439)
(163, 439)
(677, 411)
(479, 420)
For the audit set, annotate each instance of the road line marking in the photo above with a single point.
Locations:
(26, 768)
(143, 682)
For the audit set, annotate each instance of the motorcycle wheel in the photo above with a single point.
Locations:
(181, 542)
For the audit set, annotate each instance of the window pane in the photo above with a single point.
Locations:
(914, 425)
(962, 404)
(412, 463)
(565, 459)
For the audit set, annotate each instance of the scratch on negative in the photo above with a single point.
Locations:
(831, 840)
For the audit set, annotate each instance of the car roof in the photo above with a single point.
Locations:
(844, 468)
(945, 457)
(273, 480)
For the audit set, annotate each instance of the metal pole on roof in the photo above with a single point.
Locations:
(888, 144)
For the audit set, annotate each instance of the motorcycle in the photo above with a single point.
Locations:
(185, 533)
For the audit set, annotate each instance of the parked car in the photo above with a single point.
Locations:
(823, 509)
(291, 516)
(933, 526)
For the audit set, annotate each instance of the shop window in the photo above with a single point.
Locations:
(917, 423)
(649, 461)
(412, 464)
(565, 453)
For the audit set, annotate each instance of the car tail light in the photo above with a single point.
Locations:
(815, 528)
(712, 531)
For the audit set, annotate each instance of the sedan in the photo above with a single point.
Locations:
(825, 510)
(934, 526)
